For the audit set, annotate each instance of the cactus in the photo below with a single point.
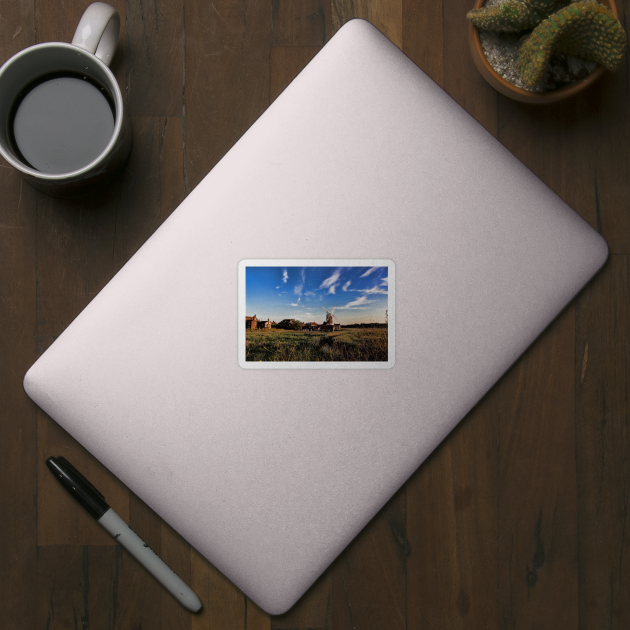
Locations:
(513, 16)
(584, 29)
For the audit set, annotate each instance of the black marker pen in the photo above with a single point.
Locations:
(94, 502)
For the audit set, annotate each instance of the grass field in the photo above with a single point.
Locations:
(350, 344)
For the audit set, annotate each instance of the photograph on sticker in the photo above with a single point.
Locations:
(314, 314)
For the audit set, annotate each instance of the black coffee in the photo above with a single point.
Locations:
(61, 123)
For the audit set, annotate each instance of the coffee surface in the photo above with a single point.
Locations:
(62, 124)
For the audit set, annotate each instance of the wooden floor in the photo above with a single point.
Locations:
(518, 520)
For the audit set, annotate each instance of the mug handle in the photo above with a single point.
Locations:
(98, 30)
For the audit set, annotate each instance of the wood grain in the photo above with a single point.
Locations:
(537, 510)
(18, 416)
(224, 606)
(300, 22)
(154, 57)
(285, 64)
(151, 187)
(386, 15)
(461, 79)
(452, 515)
(76, 587)
(422, 36)
(313, 609)
(226, 78)
(602, 380)
(369, 577)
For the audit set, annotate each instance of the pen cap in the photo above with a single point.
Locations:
(78, 486)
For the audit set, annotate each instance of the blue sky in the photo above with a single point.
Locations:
(357, 294)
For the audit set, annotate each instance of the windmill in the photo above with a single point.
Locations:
(329, 318)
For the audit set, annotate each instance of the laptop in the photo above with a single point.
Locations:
(316, 316)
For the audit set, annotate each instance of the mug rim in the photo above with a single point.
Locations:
(118, 122)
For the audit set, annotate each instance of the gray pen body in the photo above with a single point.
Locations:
(149, 559)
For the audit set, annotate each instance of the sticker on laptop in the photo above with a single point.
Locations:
(316, 314)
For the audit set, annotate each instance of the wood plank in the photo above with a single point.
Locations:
(255, 618)
(452, 527)
(558, 147)
(285, 64)
(152, 185)
(608, 128)
(603, 469)
(423, 36)
(313, 610)
(386, 15)
(154, 57)
(17, 28)
(564, 147)
(461, 78)
(537, 537)
(18, 416)
(18, 423)
(224, 606)
(57, 23)
(74, 248)
(369, 577)
(300, 22)
(76, 587)
(171, 159)
(226, 78)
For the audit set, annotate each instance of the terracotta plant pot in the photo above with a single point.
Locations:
(519, 94)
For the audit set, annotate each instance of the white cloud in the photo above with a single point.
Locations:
(368, 272)
(345, 286)
(330, 280)
(385, 281)
(372, 290)
(285, 277)
(358, 303)
(332, 289)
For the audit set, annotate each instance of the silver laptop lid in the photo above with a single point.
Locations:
(362, 163)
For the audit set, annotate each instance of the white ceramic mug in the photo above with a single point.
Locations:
(88, 57)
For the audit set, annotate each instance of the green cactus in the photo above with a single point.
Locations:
(513, 16)
(584, 29)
